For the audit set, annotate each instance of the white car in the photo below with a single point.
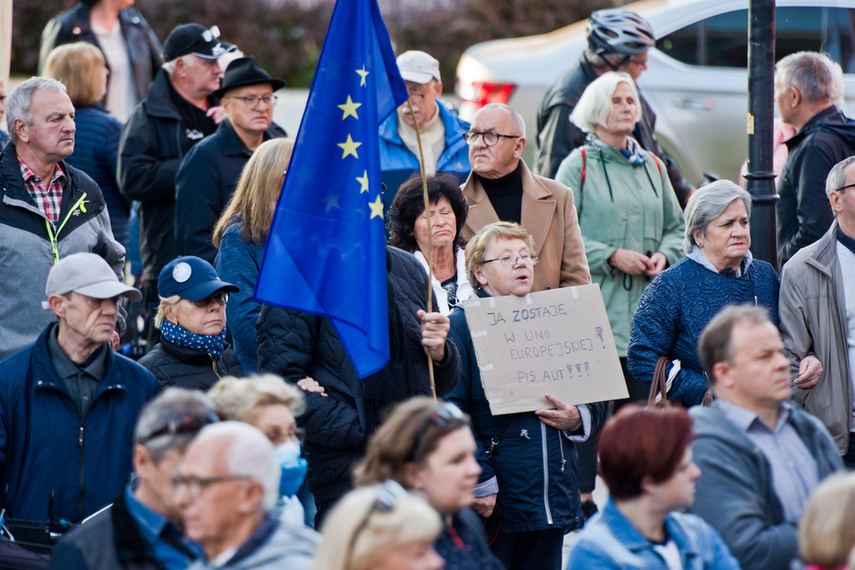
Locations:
(696, 78)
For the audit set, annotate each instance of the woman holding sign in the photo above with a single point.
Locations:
(528, 459)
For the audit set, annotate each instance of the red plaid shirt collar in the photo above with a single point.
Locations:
(47, 198)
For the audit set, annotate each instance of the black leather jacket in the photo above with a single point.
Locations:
(144, 51)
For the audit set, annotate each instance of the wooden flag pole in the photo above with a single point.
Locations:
(429, 234)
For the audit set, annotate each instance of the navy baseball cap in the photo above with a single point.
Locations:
(190, 278)
(195, 39)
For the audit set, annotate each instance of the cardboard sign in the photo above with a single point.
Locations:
(556, 342)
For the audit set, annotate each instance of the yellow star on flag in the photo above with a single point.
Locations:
(376, 208)
(349, 108)
(363, 74)
(364, 181)
(349, 147)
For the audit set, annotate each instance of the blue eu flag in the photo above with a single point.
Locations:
(325, 253)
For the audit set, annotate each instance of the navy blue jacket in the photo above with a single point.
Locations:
(675, 308)
(204, 184)
(530, 497)
(238, 262)
(398, 163)
(462, 544)
(96, 148)
(43, 445)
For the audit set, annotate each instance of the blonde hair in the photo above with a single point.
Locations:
(827, 526)
(257, 192)
(237, 398)
(357, 534)
(80, 67)
(163, 308)
(482, 240)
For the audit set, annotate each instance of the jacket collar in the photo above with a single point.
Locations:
(159, 101)
(830, 114)
(624, 531)
(538, 205)
(14, 192)
(231, 143)
(44, 377)
(824, 252)
(187, 355)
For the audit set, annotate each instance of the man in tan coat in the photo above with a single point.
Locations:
(502, 188)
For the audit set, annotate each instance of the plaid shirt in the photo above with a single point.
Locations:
(48, 199)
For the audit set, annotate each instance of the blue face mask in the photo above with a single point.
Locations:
(293, 468)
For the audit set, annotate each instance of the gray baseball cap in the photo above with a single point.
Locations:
(87, 274)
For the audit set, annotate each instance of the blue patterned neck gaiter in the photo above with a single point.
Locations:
(176, 334)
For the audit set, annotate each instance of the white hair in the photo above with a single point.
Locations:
(247, 452)
(20, 99)
(595, 106)
(707, 203)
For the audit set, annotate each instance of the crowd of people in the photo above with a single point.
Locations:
(240, 435)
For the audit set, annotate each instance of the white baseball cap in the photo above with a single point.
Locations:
(418, 67)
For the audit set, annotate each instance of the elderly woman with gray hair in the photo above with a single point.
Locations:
(718, 270)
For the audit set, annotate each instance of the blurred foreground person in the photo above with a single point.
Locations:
(270, 404)
(827, 526)
(429, 447)
(647, 465)
(381, 527)
(192, 352)
(226, 488)
(142, 529)
(68, 403)
(530, 473)
(760, 455)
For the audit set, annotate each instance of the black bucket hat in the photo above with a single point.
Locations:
(245, 71)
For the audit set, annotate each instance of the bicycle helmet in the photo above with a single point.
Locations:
(618, 30)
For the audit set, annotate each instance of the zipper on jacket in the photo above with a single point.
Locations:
(545, 473)
(54, 245)
(561, 447)
(81, 444)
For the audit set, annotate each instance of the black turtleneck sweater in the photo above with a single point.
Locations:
(505, 194)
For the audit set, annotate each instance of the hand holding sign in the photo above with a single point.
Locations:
(562, 417)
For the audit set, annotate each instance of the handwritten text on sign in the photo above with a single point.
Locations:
(557, 342)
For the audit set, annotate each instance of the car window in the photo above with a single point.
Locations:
(722, 40)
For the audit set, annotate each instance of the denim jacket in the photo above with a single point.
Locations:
(609, 540)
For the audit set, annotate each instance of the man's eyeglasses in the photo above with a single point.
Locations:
(195, 485)
(253, 102)
(511, 260)
(218, 297)
(490, 138)
(188, 423)
(211, 33)
(843, 188)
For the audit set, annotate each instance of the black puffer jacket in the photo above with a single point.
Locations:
(153, 143)
(557, 136)
(144, 51)
(295, 345)
(187, 368)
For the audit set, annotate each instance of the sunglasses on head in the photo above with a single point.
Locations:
(187, 423)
